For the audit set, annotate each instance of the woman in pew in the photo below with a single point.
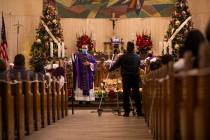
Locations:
(192, 43)
(19, 67)
(3, 69)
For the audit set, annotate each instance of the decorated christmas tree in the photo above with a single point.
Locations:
(48, 37)
(180, 16)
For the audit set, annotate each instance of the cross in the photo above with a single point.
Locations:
(113, 19)
(18, 25)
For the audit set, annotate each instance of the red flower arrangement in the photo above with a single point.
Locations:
(85, 40)
(144, 42)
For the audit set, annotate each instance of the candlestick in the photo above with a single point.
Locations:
(51, 49)
(63, 49)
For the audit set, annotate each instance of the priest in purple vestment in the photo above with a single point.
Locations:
(83, 70)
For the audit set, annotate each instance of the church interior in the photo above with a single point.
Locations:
(104, 69)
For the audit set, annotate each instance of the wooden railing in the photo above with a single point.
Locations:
(27, 106)
(177, 105)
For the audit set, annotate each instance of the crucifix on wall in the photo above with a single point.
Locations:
(113, 19)
(18, 26)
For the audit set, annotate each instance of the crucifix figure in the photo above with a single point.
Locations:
(113, 19)
(18, 25)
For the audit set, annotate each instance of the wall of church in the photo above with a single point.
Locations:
(200, 12)
(27, 12)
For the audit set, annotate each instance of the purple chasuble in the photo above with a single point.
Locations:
(83, 73)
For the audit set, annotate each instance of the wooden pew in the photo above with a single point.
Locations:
(202, 103)
(37, 104)
(43, 98)
(29, 118)
(49, 104)
(62, 102)
(19, 109)
(8, 109)
(66, 99)
(58, 91)
(54, 101)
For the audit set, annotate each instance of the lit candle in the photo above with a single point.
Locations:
(59, 50)
(51, 49)
(63, 49)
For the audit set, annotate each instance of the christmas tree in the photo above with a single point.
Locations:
(179, 16)
(41, 52)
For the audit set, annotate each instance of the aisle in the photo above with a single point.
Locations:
(85, 125)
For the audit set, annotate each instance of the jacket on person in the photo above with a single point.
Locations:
(129, 64)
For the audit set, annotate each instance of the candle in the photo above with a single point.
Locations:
(63, 49)
(51, 49)
(170, 47)
(59, 50)
(165, 45)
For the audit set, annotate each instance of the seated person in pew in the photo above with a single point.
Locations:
(60, 74)
(3, 69)
(19, 67)
(192, 44)
(40, 70)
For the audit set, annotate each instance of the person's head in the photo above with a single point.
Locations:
(84, 49)
(208, 31)
(39, 68)
(193, 41)
(19, 60)
(3, 66)
(130, 47)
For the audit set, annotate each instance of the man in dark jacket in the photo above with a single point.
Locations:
(129, 64)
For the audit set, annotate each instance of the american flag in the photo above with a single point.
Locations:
(3, 46)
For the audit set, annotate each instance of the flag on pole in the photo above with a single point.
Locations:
(3, 45)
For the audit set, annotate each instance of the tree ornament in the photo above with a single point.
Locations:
(38, 41)
(184, 13)
(177, 23)
(176, 46)
(54, 21)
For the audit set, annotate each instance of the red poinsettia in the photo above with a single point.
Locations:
(85, 40)
(144, 41)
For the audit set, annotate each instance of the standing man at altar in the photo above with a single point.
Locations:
(130, 64)
(83, 70)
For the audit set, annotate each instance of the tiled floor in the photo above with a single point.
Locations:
(86, 125)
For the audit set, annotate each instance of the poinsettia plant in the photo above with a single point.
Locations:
(85, 40)
(144, 43)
